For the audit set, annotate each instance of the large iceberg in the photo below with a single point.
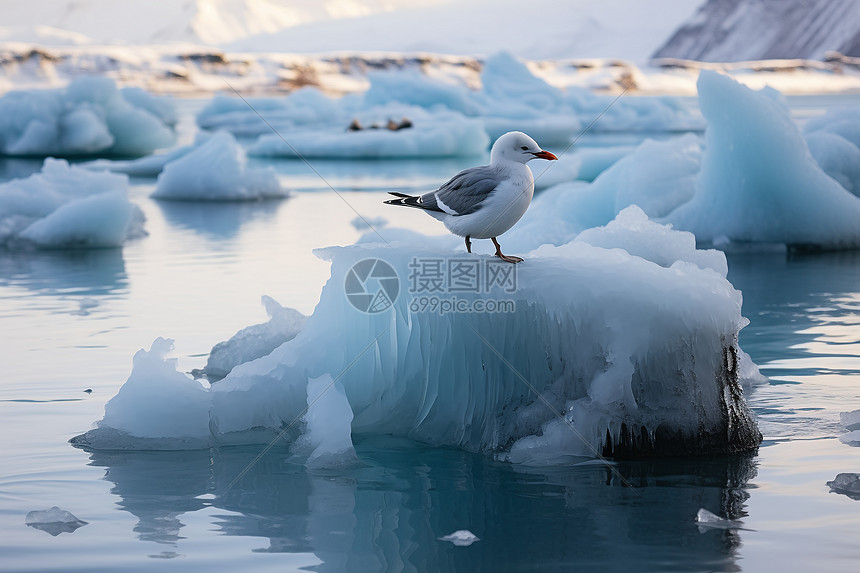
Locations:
(581, 351)
(88, 117)
(752, 181)
(759, 182)
(217, 170)
(65, 206)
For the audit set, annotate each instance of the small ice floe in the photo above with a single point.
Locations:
(217, 170)
(851, 420)
(707, 520)
(54, 521)
(846, 484)
(461, 538)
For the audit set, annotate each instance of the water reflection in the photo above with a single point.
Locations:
(89, 272)
(389, 513)
(788, 300)
(218, 220)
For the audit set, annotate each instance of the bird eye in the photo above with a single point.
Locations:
(524, 148)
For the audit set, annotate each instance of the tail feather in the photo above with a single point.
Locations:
(409, 201)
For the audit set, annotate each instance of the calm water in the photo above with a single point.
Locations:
(72, 321)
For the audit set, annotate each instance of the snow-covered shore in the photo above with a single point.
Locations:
(193, 70)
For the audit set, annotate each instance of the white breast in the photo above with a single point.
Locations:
(501, 210)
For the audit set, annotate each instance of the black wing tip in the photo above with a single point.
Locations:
(410, 201)
(402, 199)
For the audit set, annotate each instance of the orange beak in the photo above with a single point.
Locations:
(545, 155)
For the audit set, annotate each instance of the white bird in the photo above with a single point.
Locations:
(484, 202)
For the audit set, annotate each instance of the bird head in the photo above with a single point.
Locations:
(519, 147)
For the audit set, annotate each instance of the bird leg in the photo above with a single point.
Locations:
(468, 244)
(506, 258)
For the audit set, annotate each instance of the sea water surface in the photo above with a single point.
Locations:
(71, 322)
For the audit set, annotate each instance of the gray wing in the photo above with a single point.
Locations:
(465, 192)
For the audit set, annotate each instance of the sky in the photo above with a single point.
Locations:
(628, 29)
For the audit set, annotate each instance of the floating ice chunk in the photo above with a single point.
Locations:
(54, 521)
(254, 341)
(444, 135)
(750, 374)
(846, 484)
(413, 88)
(838, 157)
(510, 91)
(851, 438)
(63, 206)
(834, 140)
(327, 437)
(759, 182)
(461, 538)
(658, 177)
(707, 520)
(508, 82)
(582, 165)
(161, 107)
(149, 166)
(305, 107)
(851, 420)
(217, 171)
(157, 407)
(89, 116)
(840, 120)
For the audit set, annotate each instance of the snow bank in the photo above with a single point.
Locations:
(63, 206)
(753, 181)
(636, 354)
(217, 171)
(88, 117)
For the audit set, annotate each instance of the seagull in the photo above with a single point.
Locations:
(484, 202)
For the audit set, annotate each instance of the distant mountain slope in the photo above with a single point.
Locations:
(737, 30)
(210, 22)
(624, 29)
